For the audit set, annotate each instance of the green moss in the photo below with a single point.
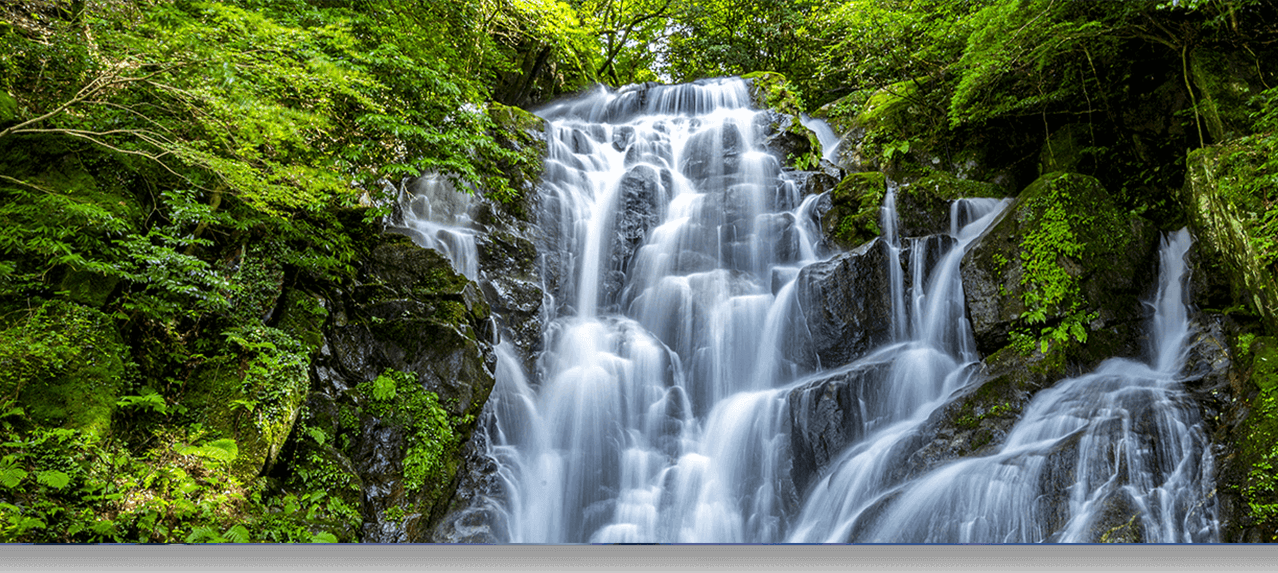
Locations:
(841, 113)
(432, 459)
(521, 135)
(1066, 149)
(1227, 197)
(1258, 447)
(303, 318)
(1069, 219)
(853, 217)
(948, 187)
(8, 108)
(1226, 84)
(773, 91)
(253, 393)
(63, 364)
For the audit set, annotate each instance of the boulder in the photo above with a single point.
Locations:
(784, 134)
(1064, 269)
(923, 203)
(826, 415)
(1220, 215)
(847, 305)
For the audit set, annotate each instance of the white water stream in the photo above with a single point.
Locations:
(659, 410)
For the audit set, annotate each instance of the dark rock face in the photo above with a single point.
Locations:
(642, 193)
(829, 413)
(786, 137)
(846, 304)
(410, 312)
(977, 420)
(850, 215)
(712, 153)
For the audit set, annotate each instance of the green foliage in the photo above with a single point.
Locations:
(872, 44)
(399, 397)
(732, 37)
(1061, 233)
(628, 31)
(1258, 451)
(1247, 178)
(66, 485)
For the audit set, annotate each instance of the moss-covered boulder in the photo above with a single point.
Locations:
(252, 394)
(406, 366)
(1247, 476)
(63, 364)
(784, 133)
(8, 109)
(852, 217)
(1062, 272)
(923, 206)
(1226, 217)
(976, 421)
(525, 134)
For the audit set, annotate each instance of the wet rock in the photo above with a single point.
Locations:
(406, 311)
(923, 206)
(784, 134)
(846, 304)
(977, 419)
(712, 152)
(475, 514)
(641, 194)
(829, 413)
(1227, 247)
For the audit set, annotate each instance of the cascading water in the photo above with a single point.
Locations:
(436, 216)
(662, 408)
(1122, 438)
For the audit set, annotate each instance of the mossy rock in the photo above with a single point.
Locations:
(923, 206)
(1220, 210)
(786, 137)
(853, 216)
(1256, 439)
(317, 457)
(770, 90)
(1065, 150)
(302, 316)
(64, 364)
(1063, 266)
(88, 287)
(252, 394)
(841, 114)
(978, 420)
(885, 132)
(525, 134)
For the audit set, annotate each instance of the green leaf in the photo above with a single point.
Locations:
(11, 476)
(53, 478)
(237, 534)
(324, 537)
(223, 450)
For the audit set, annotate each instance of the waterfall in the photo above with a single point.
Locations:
(663, 406)
(1120, 441)
(436, 216)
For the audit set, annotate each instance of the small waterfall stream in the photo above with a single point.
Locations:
(661, 408)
